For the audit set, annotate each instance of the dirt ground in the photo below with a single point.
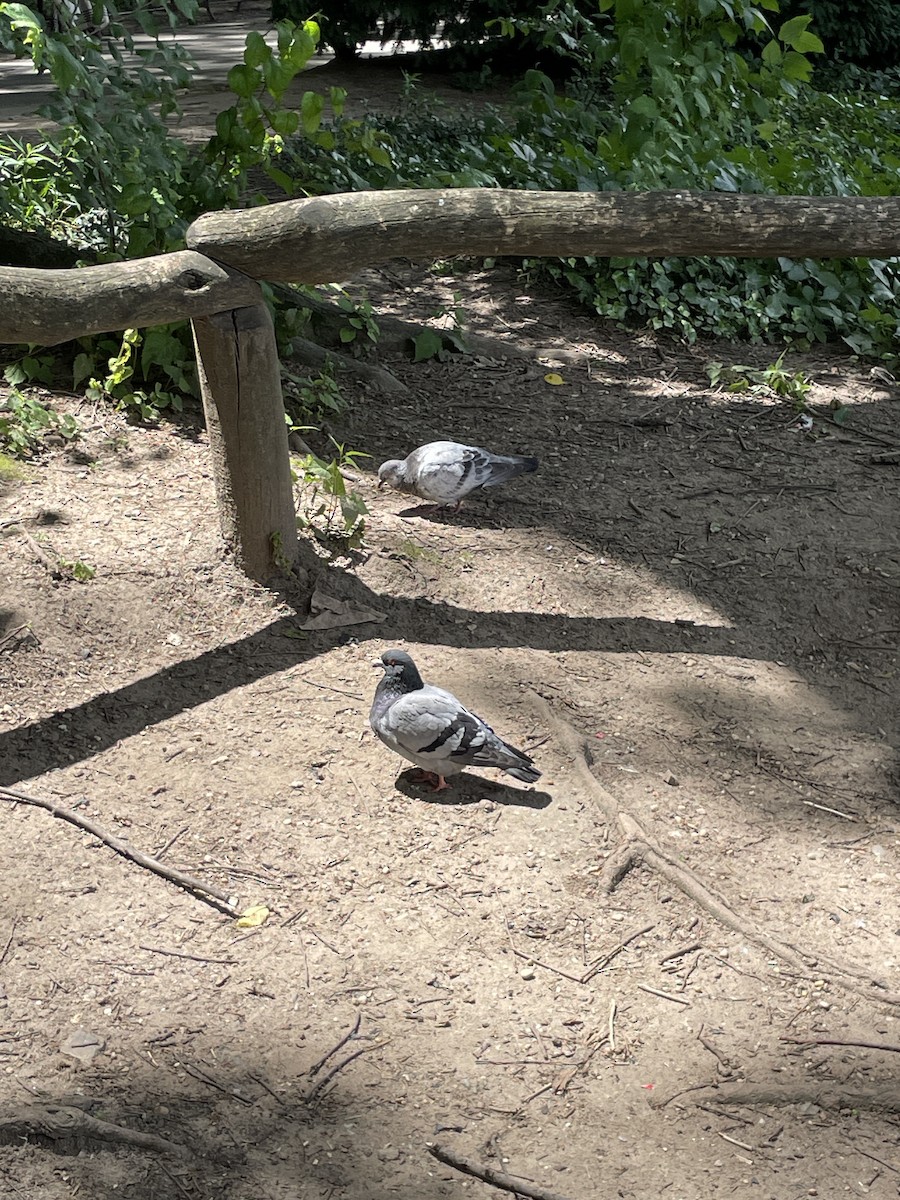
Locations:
(670, 968)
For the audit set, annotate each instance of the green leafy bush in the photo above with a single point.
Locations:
(25, 423)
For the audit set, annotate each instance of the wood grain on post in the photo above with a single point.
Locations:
(329, 238)
(47, 307)
(240, 381)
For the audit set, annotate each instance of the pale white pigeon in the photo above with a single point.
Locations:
(445, 472)
(432, 729)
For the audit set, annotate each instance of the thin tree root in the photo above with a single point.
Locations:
(883, 1095)
(68, 1130)
(639, 848)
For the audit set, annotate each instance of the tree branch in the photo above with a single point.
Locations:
(203, 891)
(497, 1179)
(325, 238)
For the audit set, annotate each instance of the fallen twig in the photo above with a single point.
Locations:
(316, 1067)
(204, 1077)
(839, 1042)
(725, 1137)
(9, 941)
(497, 1179)
(611, 1025)
(203, 891)
(680, 953)
(64, 1127)
(52, 564)
(225, 962)
(603, 962)
(319, 1086)
(664, 995)
(835, 812)
(536, 962)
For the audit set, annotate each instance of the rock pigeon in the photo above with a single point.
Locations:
(433, 730)
(445, 472)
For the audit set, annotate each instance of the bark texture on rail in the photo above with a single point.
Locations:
(328, 238)
(47, 307)
(240, 381)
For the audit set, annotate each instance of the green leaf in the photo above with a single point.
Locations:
(428, 344)
(797, 67)
(795, 33)
(311, 107)
(380, 156)
(772, 53)
(645, 106)
(244, 80)
(82, 367)
(808, 43)
(21, 17)
(256, 51)
(285, 122)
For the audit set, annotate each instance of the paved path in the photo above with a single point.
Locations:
(216, 47)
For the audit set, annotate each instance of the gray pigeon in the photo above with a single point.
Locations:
(445, 472)
(433, 730)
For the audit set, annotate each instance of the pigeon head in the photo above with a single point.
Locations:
(400, 671)
(392, 472)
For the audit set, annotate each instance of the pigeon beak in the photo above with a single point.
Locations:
(381, 483)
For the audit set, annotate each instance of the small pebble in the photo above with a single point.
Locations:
(527, 972)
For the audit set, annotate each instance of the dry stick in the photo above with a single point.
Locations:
(316, 1067)
(734, 1141)
(199, 1073)
(838, 1042)
(680, 953)
(316, 1090)
(203, 891)
(611, 1027)
(9, 940)
(881, 1162)
(536, 962)
(497, 1179)
(603, 962)
(224, 962)
(40, 554)
(834, 811)
(639, 847)
(664, 995)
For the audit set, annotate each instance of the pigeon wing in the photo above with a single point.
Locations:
(446, 471)
(430, 726)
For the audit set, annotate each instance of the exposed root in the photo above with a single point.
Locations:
(69, 1130)
(881, 1095)
(311, 354)
(638, 847)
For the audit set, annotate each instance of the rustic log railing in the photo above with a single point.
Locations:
(215, 284)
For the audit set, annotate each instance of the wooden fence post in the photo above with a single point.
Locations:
(240, 381)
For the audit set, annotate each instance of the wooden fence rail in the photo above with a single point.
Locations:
(329, 238)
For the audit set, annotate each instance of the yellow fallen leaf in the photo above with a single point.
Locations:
(553, 378)
(256, 914)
